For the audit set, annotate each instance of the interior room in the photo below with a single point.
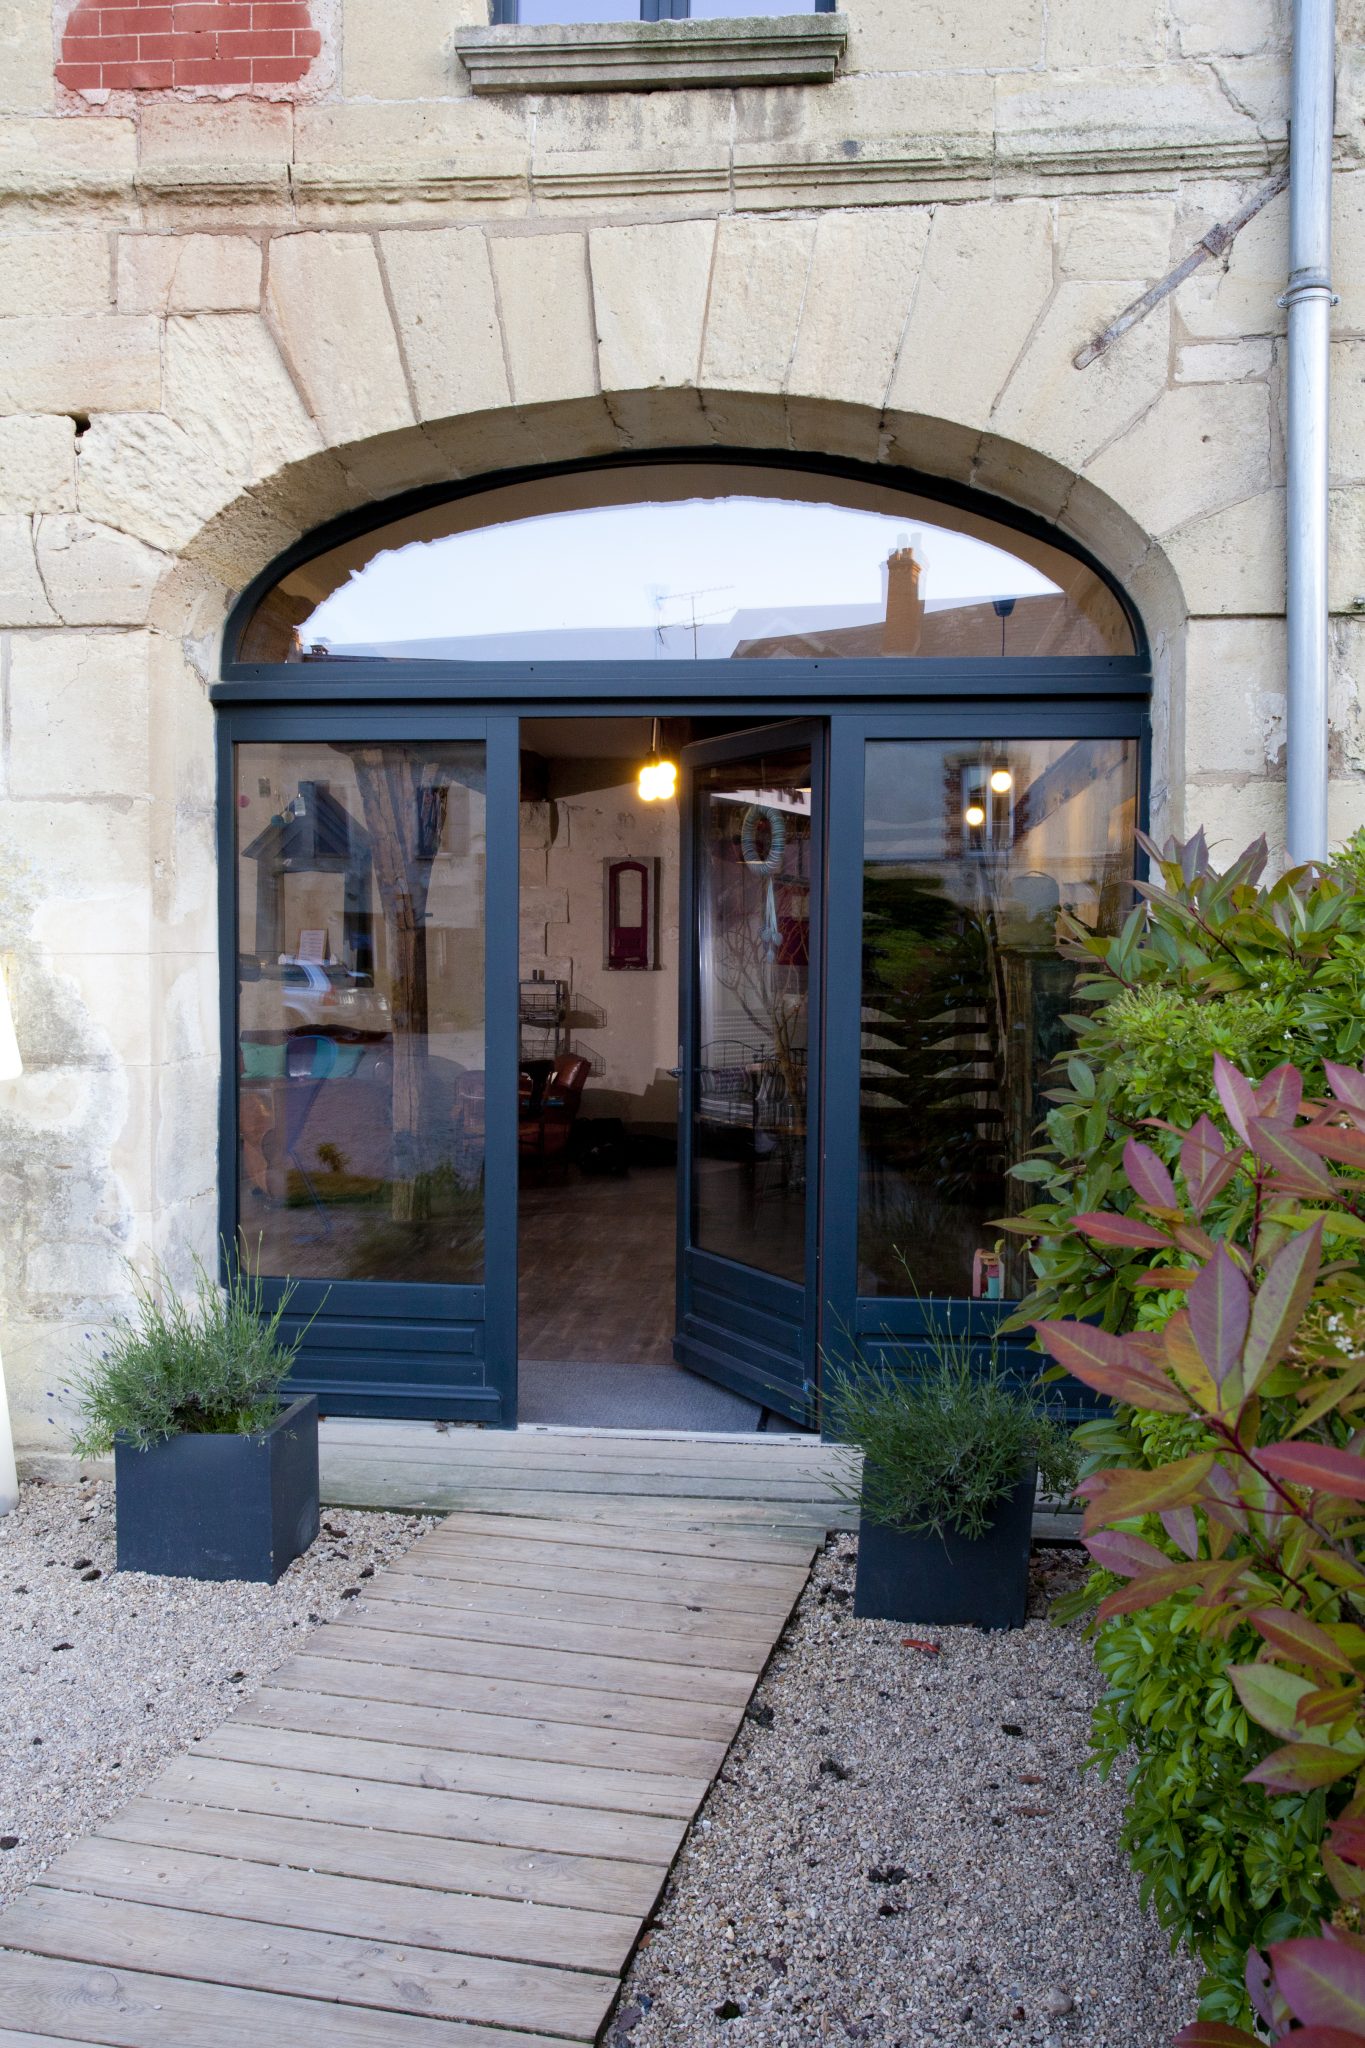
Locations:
(598, 1132)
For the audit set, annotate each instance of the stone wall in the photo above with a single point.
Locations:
(227, 314)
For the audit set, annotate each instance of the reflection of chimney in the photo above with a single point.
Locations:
(904, 605)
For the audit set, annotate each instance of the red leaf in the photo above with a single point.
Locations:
(1280, 1302)
(1321, 1981)
(1215, 2034)
(1301, 1767)
(1128, 1231)
(1334, 1141)
(1155, 1586)
(1347, 1084)
(1219, 1307)
(1325, 2037)
(1298, 1638)
(1182, 1528)
(1116, 1366)
(1235, 1093)
(1297, 1170)
(1117, 1551)
(1163, 1279)
(1318, 1466)
(1280, 1094)
(1206, 1163)
(1347, 1837)
(1148, 1176)
(1121, 1492)
(917, 1643)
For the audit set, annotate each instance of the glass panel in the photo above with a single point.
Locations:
(360, 873)
(688, 562)
(710, 10)
(970, 852)
(535, 11)
(753, 825)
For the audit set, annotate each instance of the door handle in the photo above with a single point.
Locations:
(676, 1072)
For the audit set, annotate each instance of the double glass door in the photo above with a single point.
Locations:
(870, 999)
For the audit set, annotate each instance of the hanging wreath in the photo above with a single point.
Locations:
(755, 817)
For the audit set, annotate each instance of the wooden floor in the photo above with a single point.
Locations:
(763, 1484)
(443, 1825)
(597, 1263)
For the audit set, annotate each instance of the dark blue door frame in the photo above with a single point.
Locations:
(362, 1322)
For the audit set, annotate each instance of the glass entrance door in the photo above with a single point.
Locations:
(752, 919)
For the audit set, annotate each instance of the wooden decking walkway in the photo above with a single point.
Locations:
(445, 1823)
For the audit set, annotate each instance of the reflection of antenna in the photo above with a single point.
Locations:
(695, 618)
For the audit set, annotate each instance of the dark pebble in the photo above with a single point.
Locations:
(9, 1841)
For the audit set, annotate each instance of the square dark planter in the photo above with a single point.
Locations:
(949, 1581)
(221, 1507)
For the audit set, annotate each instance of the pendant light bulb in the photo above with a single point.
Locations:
(1001, 781)
(975, 816)
(658, 779)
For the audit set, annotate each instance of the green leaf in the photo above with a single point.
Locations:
(1081, 1077)
(1271, 1695)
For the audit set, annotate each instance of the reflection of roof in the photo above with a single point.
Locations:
(1036, 625)
(325, 840)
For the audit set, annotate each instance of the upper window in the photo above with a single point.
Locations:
(688, 562)
(532, 13)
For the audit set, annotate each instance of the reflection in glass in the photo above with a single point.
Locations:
(753, 827)
(970, 852)
(688, 562)
(361, 1009)
(532, 12)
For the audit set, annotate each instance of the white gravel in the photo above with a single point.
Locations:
(106, 1674)
(901, 1850)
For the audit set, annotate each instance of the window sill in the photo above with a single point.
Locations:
(796, 49)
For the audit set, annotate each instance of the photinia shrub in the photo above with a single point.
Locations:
(1256, 1532)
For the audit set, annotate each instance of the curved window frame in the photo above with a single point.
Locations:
(869, 679)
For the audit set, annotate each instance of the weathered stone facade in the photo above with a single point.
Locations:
(226, 317)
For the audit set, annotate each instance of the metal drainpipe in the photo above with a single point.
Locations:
(1309, 300)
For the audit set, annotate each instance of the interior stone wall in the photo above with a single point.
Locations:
(225, 320)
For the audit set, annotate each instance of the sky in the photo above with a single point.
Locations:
(647, 565)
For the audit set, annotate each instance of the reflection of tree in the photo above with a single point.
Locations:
(393, 782)
(761, 960)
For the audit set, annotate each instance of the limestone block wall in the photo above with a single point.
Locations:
(230, 312)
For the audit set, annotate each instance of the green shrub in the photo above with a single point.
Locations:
(943, 1447)
(214, 1365)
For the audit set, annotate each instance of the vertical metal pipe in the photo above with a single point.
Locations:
(1309, 300)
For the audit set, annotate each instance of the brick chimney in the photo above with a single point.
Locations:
(904, 605)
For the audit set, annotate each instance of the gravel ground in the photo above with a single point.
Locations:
(901, 1850)
(105, 1674)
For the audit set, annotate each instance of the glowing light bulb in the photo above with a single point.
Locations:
(975, 815)
(658, 781)
(1001, 780)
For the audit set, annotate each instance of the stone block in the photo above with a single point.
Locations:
(1346, 534)
(185, 1157)
(1223, 362)
(858, 296)
(1236, 297)
(939, 35)
(78, 716)
(184, 1006)
(114, 992)
(1068, 413)
(65, 270)
(1232, 560)
(757, 292)
(87, 158)
(95, 576)
(359, 140)
(988, 274)
(37, 463)
(1234, 698)
(1121, 32)
(23, 600)
(100, 363)
(1229, 28)
(26, 53)
(649, 288)
(419, 63)
(1115, 237)
(149, 476)
(230, 131)
(1348, 250)
(545, 305)
(326, 297)
(188, 274)
(441, 283)
(1233, 814)
(1121, 115)
(1199, 447)
(1348, 411)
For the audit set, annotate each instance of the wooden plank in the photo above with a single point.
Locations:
(595, 1884)
(646, 1458)
(490, 1735)
(397, 1493)
(555, 1667)
(12, 2040)
(330, 1904)
(716, 1487)
(693, 1738)
(126, 2008)
(452, 1596)
(79, 1927)
(452, 1543)
(769, 1603)
(408, 1617)
(422, 1792)
(679, 1542)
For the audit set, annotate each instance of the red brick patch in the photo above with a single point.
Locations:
(148, 46)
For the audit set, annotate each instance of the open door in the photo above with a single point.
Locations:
(749, 1060)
